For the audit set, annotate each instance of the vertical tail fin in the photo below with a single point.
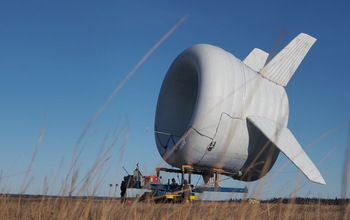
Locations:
(282, 67)
(256, 59)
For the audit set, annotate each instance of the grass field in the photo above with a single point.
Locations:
(87, 208)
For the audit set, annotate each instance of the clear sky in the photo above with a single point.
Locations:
(61, 60)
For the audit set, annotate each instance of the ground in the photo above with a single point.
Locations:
(88, 208)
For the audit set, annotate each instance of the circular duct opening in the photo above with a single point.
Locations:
(177, 100)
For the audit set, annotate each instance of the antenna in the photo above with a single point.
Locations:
(126, 170)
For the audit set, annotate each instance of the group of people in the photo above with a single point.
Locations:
(186, 189)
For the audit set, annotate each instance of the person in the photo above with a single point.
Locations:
(186, 191)
(137, 177)
(174, 186)
(123, 187)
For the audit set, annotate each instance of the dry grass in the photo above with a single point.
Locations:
(70, 208)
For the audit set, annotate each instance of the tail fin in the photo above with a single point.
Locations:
(256, 59)
(282, 67)
(284, 140)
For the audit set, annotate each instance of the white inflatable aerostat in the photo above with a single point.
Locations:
(215, 111)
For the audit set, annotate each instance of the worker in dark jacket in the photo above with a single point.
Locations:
(174, 186)
(123, 187)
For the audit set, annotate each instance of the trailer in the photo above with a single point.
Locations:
(152, 188)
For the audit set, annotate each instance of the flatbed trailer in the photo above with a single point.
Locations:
(156, 191)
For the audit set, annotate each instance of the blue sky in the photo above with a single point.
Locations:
(61, 60)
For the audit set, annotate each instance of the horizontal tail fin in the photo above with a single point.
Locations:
(256, 59)
(282, 67)
(284, 140)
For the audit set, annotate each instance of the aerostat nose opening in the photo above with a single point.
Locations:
(177, 100)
